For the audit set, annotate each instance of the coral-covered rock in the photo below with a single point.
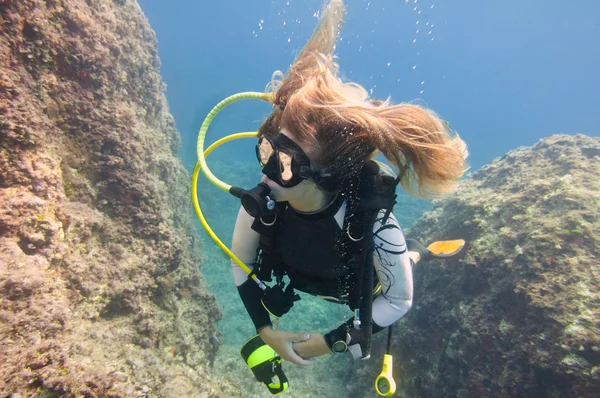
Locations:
(100, 292)
(519, 314)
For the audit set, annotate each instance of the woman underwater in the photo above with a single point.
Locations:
(314, 148)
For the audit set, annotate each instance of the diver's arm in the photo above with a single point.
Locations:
(244, 246)
(394, 271)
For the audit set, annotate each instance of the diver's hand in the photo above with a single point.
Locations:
(315, 346)
(282, 342)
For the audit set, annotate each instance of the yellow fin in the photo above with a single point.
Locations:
(446, 248)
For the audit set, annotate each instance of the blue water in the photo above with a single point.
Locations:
(504, 74)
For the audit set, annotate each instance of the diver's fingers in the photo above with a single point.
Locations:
(300, 337)
(293, 357)
(290, 354)
(282, 342)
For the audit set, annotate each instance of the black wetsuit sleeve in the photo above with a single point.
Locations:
(251, 296)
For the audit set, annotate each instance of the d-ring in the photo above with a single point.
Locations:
(352, 238)
(267, 224)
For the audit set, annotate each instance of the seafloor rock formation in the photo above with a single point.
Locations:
(100, 293)
(519, 314)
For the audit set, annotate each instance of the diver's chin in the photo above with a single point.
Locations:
(277, 191)
(272, 184)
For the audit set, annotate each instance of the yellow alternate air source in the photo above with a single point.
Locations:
(385, 384)
(199, 213)
(201, 165)
(204, 128)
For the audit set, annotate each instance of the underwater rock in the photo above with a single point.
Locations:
(519, 314)
(100, 291)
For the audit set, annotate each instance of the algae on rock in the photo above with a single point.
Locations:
(100, 291)
(518, 313)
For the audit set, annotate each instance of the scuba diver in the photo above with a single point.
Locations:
(321, 217)
(332, 232)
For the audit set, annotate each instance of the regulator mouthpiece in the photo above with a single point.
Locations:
(256, 201)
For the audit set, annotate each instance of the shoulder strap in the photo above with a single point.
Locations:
(267, 257)
(376, 191)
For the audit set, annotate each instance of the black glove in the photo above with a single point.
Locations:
(277, 301)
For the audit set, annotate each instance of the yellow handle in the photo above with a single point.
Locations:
(385, 384)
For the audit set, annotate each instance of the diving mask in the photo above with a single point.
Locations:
(283, 161)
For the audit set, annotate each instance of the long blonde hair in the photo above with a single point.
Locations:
(342, 128)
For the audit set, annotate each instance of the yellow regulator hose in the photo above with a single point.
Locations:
(201, 165)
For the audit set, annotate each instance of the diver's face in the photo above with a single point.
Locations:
(296, 192)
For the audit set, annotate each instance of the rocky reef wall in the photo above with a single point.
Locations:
(100, 291)
(518, 315)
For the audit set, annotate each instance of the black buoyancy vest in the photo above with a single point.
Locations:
(308, 249)
(374, 192)
(312, 250)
